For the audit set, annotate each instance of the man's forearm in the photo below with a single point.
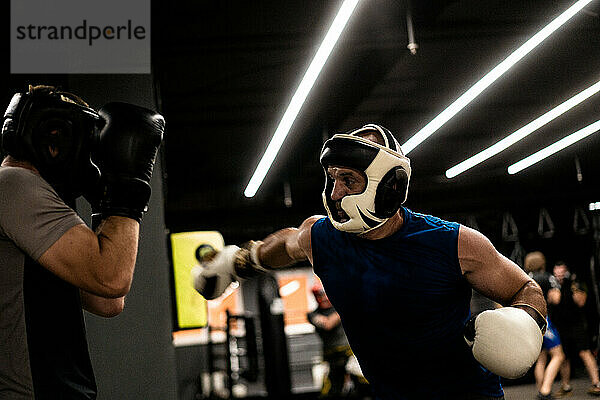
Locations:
(100, 262)
(280, 249)
(530, 298)
(118, 245)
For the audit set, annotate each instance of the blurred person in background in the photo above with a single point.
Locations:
(570, 319)
(336, 349)
(545, 372)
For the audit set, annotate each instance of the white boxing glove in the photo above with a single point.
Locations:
(213, 277)
(506, 341)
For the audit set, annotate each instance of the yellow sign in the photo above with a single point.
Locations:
(191, 306)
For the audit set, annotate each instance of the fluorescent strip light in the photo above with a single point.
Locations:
(554, 147)
(491, 77)
(522, 132)
(313, 71)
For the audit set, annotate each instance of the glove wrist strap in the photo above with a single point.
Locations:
(247, 263)
(534, 313)
(126, 197)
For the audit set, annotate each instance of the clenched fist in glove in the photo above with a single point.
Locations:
(212, 278)
(506, 341)
(233, 263)
(125, 153)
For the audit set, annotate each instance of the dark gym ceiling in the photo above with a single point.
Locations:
(226, 71)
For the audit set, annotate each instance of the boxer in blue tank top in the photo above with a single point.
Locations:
(401, 281)
(404, 310)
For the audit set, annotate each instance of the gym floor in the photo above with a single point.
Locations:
(528, 391)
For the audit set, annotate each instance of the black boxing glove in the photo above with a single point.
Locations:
(125, 153)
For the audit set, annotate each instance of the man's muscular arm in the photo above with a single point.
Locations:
(101, 306)
(287, 246)
(496, 277)
(506, 341)
(101, 263)
(279, 249)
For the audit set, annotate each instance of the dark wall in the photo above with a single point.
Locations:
(133, 354)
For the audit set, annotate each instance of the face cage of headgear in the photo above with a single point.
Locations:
(35, 122)
(387, 171)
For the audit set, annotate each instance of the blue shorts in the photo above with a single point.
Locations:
(551, 338)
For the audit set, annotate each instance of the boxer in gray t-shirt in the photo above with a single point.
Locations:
(51, 264)
(32, 218)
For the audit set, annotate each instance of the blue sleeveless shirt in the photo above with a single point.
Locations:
(404, 303)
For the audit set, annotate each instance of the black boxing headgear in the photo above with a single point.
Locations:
(387, 171)
(54, 131)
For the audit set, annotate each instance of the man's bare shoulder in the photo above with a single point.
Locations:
(474, 249)
(304, 235)
(471, 239)
(310, 221)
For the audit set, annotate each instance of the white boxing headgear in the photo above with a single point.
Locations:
(387, 171)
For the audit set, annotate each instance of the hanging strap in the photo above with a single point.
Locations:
(518, 254)
(510, 232)
(581, 223)
(545, 224)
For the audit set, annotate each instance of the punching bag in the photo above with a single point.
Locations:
(274, 341)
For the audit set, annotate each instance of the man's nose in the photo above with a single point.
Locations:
(339, 191)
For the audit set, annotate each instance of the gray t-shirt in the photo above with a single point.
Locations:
(32, 218)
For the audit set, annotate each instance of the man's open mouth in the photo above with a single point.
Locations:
(340, 215)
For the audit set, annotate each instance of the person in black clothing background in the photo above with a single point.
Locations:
(336, 350)
(570, 319)
(545, 372)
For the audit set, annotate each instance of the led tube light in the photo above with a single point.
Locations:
(491, 77)
(522, 132)
(554, 148)
(313, 71)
